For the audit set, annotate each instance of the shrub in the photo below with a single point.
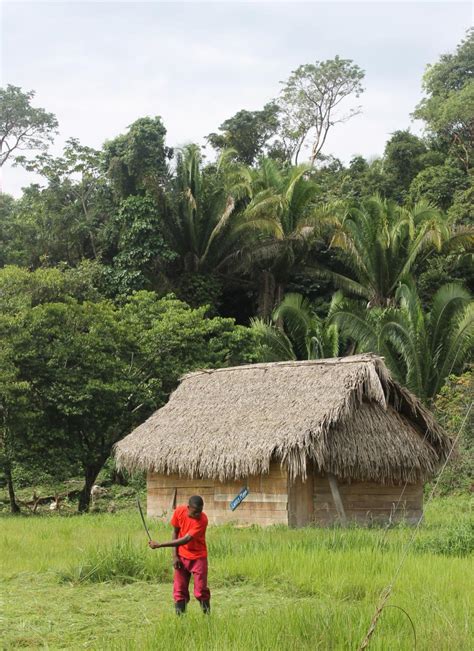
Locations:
(456, 541)
(451, 409)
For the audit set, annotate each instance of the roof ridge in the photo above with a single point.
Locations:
(328, 361)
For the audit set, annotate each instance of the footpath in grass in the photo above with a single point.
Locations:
(90, 582)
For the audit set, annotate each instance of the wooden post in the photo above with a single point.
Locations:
(336, 496)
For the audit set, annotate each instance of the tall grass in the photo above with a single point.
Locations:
(123, 562)
(92, 582)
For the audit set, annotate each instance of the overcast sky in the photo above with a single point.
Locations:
(101, 65)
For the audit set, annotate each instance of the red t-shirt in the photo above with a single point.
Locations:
(195, 548)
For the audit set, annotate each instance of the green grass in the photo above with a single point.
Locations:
(90, 582)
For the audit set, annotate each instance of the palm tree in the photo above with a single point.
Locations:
(421, 348)
(296, 331)
(201, 216)
(379, 243)
(281, 222)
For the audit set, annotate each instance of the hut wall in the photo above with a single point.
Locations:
(367, 502)
(301, 502)
(273, 500)
(266, 503)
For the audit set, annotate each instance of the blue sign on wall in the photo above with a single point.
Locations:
(240, 498)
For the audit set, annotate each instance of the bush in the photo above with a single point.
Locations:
(110, 475)
(25, 475)
(451, 410)
(456, 541)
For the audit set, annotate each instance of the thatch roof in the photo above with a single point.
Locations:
(347, 415)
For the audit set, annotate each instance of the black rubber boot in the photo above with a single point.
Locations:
(180, 607)
(205, 607)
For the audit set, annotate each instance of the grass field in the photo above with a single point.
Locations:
(90, 582)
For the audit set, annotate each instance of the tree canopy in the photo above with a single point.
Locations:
(247, 132)
(448, 107)
(310, 103)
(22, 127)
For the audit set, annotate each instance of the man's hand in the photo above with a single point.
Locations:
(153, 544)
(177, 563)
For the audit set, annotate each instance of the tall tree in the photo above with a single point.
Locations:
(76, 358)
(310, 102)
(138, 160)
(405, 155)
(247, 132)
(22, 127)
(26, 435)
(281, 219)
(200, 216)
(448, 108)
(137, 253)
(65, 219)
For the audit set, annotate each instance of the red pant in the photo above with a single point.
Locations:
(198, 568)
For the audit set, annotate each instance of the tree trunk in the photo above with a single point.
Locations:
(266, 295)
(279, 295)
(14, 508)
(90, 475)
(119, 478)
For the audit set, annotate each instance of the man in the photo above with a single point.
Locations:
(189, 537)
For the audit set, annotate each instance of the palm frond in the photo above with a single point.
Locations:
(275, 344)
(460, 240)
(297, 317)
(344, 282)
(458, 346)
(449, 300)
(356, 326)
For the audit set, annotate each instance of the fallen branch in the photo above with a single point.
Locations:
(38, 500)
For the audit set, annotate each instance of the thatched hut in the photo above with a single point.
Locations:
(311, 441)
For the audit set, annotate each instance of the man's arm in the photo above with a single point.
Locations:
(176, 542)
